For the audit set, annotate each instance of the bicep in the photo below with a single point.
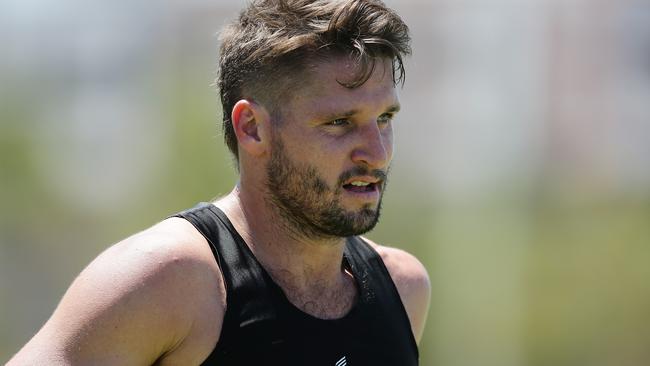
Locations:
(116, 312)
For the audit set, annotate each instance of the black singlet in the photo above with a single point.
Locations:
(261, 326)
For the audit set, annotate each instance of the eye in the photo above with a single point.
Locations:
(339, 122)
(385, 118)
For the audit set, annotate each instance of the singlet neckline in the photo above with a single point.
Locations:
(348, 262)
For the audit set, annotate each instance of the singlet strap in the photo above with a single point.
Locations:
(376, 283)
(242, 267)
(253, 299)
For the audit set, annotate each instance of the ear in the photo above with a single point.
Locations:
(251, 123)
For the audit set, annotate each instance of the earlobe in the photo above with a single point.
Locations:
(249, 121)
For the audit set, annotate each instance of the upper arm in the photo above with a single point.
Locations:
(412, 282)
(133, 304)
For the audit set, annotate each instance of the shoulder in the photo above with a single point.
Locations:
(171, 257)
(139, 300)
(412, 282)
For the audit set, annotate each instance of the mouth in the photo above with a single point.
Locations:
(362, 185)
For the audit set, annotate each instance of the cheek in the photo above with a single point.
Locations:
(297, 145)
(325, 156)
(387, 136)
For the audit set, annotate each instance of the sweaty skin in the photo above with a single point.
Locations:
(158, 297)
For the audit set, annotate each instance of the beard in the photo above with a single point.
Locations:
(309, 206)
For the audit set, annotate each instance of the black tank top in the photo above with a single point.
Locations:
(261, 326)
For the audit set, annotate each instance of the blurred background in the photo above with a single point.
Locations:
(521, 176)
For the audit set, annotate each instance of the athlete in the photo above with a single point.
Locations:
(274, 273)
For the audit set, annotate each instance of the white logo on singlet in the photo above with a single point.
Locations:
(341, 362)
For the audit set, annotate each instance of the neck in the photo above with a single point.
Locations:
(293, 260)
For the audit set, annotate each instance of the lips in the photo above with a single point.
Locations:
(360, 180)
(360, 186)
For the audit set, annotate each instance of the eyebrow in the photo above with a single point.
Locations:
(392, 109)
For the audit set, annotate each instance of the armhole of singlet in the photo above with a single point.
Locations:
(374, 256)
(196, 221)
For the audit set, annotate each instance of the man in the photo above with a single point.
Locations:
(275, 272)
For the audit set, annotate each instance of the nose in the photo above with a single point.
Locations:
(374, 148)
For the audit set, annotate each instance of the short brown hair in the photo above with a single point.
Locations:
(268, 46)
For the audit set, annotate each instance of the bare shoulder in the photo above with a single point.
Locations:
(403, 266)
(137, 303)
(412, 282)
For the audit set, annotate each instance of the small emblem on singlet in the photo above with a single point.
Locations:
(341, 362)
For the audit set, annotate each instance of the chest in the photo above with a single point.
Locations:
(262, 326)
(296, 339)
(323, 302)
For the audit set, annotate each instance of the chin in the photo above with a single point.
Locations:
(361, 221)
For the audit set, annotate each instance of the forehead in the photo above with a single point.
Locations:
(347, 69)
(323, 85)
